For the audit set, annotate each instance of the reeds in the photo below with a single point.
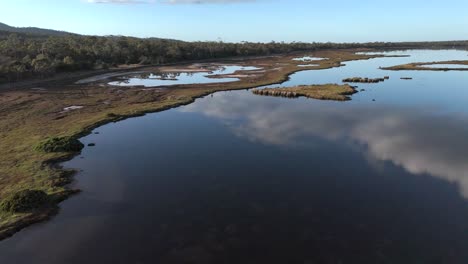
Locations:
(365, 80)
(276, 92)
(322, 92)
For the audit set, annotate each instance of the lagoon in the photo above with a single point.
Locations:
(240, 178)
(149, 79)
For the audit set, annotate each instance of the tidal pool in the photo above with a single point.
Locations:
(308, 58)
(162, 79)
(240, 178)
(308, 65)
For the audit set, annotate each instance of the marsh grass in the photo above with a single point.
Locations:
(60, 144)
(24, 201)
(364, 80)
(419, 66)
(322, 92)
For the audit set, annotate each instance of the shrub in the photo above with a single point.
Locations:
(24, 201)
(60, 144)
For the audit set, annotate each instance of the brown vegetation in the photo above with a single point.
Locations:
(419, 66)
(322, 92)
(365, 80)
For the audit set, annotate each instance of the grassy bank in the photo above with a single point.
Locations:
(419, 66)
(321, 92)
(35, 118)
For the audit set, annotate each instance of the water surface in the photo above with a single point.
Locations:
(308, 58)
(239, 178)
(160, 79)
(308, 65)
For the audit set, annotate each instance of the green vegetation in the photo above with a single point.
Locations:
(33, 52)
(60, 144)
(24, 201)
(32, 30)
(322, 92)
(23, 56)
(419, 66)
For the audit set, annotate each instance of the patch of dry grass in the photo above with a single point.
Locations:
(321, 92)
(419, 66)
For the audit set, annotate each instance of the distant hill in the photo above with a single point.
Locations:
(33, 30)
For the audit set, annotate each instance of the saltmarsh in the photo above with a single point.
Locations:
(33, 117)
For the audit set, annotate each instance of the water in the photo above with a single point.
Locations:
(239, 178)
(308, 65)
(307, 58)
(426, 89)
(161, 79)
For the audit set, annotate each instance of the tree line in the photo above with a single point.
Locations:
(26, 55)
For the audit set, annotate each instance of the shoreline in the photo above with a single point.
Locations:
(52, 165)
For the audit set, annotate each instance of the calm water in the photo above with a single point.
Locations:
(239, 178)
(308, 65)
(160, 79)
(307, 58)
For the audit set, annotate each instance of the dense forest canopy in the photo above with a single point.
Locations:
(24, 55)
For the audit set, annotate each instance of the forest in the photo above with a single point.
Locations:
(32, 55)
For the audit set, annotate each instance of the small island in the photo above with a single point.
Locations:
(365, 80)
(455, 65)
(321, 92)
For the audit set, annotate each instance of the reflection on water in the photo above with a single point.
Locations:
(173, 78)
(237, 178)
(386, 133)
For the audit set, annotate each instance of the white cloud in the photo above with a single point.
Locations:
(410, 138)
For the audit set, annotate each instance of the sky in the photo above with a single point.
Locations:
(248, 20)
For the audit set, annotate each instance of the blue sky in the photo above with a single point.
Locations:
(248, 20)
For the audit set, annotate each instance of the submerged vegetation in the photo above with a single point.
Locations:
(420, 66)
(322, 92)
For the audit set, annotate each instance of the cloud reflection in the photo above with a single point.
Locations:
(418, 140)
